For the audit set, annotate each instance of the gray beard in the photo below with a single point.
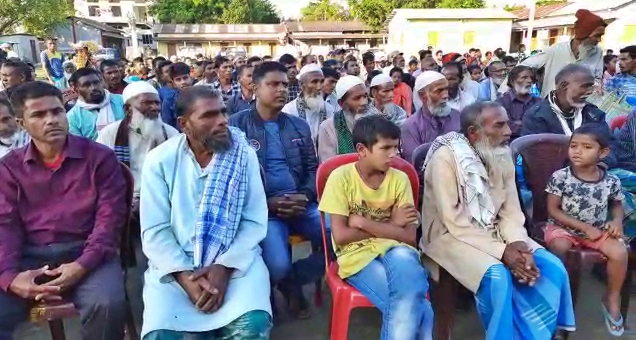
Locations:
(586, 50)
(441, 110)
(148, 127)
(492, 157)
(316, 103)
(215, 144)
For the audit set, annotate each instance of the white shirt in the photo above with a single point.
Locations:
(19, 139)
(12, 54)
(313, 118)
(138, 146)
(462, 100)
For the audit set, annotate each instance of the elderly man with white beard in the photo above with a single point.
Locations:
(310, 105)
(496, 76)
(434, 118)
(589, 29)
(381, 90)
(474, 229)
(518, 99)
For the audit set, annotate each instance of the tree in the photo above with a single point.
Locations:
(250, 12)
(324, 10)
(187, 11)
(375, 12)
(461, 4)
(37, 17)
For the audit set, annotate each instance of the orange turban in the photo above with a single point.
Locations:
(586, 23)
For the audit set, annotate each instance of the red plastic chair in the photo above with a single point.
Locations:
(344, 296)
(617, 122)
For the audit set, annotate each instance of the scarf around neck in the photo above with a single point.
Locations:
(575, 117)
(104, 111)
(343, 134)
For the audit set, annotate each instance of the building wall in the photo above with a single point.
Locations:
(113, 11)
(449, 35)
(26, 46)
(621, 32)
(257, 48)
(64, 35)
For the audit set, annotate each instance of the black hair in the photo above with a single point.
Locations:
(156, 61)
(218, 61)
(413, 62)
(457, 66)
(287, 59)
(516, 71)
(32, 90)
(25, 70)
(609, 57)
(471, 115)
(493, 63)
(253, 59)
(5, 102)
(190, 95)
(239, 71)
(108, 63)
(267, 67)
(368, 56)
(372, 75)
(509, 59)
(161, 65)
(600, 132)
(82, 72)
(368, 129)
(199, 63)
(330, 62)
(610, 51)
(178, 69)
(328, 72)
(472, 49)
(396, 69)
(473, 67)
(138, 60)
(631, 50)
(266, 57)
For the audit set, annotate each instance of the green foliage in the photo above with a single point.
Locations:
(549, 2)
(324, 10)
(461, 4)
(37, 17)
(214, 11)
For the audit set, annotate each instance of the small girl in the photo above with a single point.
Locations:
(585, 210)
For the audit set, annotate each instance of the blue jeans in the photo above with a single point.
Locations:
(276, 252)
(397, 284)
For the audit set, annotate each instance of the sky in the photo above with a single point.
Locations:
(291, 8)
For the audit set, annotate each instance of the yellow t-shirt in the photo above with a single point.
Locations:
(346, 194)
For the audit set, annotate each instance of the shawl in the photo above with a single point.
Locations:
(105, 113)
(344, 136)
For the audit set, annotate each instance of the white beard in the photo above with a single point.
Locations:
(149, 128)
(315, 103)
(522, 89)
(497, 81)
(441, 110)
(586, 50)
(493, 157)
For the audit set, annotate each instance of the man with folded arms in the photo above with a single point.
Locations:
(62, 207)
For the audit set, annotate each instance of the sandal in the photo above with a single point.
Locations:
(614, 327)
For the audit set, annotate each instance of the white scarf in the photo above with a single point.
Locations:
(578, 116)
(472, 178)
(105, 115)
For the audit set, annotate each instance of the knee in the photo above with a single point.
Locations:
(107, 303)
(615, 251)
(560, 247)
(500, 279)
(255, 324)
(279, 266)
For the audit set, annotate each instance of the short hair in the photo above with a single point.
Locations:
(396, 69)
(491, 65)
(569, 70)
(367, 129)
(522, 45)
(600, 132)
(608, 58)
(287, 59)
(108, 63)
(242, 68)
(368, 56)
(516, 71)
(82, 72)
(328, 72)
(304, 59)
(218, 61)
(138, 60)
(190, 95)
(631, 50)
(413, 62)
(609, 50)
(457, 66)
(5, 102)
(509, 59)
(471, 50)
(267, 57)
(32, 90)
(267, 67)
(161, 65)
(156, 61)
(471, 115)
(178, 69)
(473, 67)
(21, 67)
(330, 62)
(346, 63)
(438, 52)
(199, 63)
(253, 59)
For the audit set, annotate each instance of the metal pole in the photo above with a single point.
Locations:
(532, 4)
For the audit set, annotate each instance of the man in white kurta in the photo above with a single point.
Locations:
(172, 187)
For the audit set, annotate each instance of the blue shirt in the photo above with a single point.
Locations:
(277, 174)
(168, 115)
(237, 103)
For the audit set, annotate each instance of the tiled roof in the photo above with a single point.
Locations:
(540, 11)
(326, 26)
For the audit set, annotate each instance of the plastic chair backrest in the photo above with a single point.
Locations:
(617, 122)
(419, 155)
(126, 240)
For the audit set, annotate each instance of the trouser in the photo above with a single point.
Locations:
(99, 296)
(397, 284)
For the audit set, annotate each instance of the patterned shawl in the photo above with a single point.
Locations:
(303, 108)
(222, 201)
(343, 134)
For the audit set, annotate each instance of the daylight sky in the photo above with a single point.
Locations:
(291, 8)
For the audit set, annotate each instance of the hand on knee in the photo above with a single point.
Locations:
(615, 250)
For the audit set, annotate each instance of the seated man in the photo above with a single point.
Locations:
(206, 277)
(518, 99)
(373, 220)
(62, 207)
(434, 118)
(11, 135)
(381, 91)
(474, 229)
(95, 108)
(287, 155)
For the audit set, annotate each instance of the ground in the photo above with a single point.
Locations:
(365, 323)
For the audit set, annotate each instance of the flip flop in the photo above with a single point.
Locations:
(610, 323)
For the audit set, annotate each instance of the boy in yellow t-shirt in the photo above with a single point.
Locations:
(373, 224)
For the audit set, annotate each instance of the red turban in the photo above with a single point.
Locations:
(450, 57)
(586, 23)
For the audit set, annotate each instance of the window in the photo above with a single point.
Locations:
(146, 39)
(93, 11)
(469, 38)
(116, 11)
(433, 38)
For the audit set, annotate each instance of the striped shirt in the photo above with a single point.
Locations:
(18, 140)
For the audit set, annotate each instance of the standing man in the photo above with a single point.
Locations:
(352, 68)
(243, 99)
(7, 48)
(224, 84)
(624, 83)
(112, 76)
(52, 61)
(331, 79)
(293, 87)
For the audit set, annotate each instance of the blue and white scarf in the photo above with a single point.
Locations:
(222, 202)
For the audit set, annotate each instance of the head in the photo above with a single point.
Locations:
(110, 72)
(475, 72)
(396, 74)
(439, 54)
(254, 61)
(51, 44)
(432, 88)
(321, 58)
(69, 67)
(425, 53)
(8, 123)
(627, 60)
(351, 67)
(377, 142)
(179, 75)
(161, 71)
(39, 109)
(609, 63)
(239, 61)
(413, 65)
(589, 144)
(522, 48)
(138, 64)
(197, 70)
(267, 58)
(331, 78)
(485, 125)
(497, 71)
(351, 93)
(307, 59)
(123, 64)
(224, 68)
(429, 64)
(311, 87)
(14, 73)
(399, 61)
(510, 62)
(382, 89)
(87, 82)
(574, 83)
(290, 62)
(589, 29)
(454, 75)
(488, 55)
(142, 106)
(271, 80)
(368, 61)
(202, 116)
(244, 74)
(520, 79)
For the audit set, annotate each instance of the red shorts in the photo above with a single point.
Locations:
(552, 232)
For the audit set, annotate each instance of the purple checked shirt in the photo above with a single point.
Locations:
(422, 128)
(83, 200)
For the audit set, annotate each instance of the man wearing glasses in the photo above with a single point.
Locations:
(496, 73)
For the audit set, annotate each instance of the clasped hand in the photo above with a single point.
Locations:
(206, 287)
(518, 258)
(65, 277)
(287, 206)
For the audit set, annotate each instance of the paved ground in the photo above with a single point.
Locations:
(365, 323)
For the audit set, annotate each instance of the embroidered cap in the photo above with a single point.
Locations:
(425, 79)
(309, 68)
(136, 88)
(345, 84)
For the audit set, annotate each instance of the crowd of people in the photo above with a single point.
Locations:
(224, 155)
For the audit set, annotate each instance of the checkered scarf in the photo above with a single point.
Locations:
(223, 196)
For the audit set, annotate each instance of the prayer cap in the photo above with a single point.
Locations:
(586, 23)
(136, 88)
(380, 79)
(427, 78)
(345, 84)
(309, 68)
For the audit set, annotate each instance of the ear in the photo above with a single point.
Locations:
(361, 149)
(182, 121)
(604, 153)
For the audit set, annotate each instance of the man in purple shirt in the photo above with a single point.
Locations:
(517, 100)
(434, 118)
(62, 207)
